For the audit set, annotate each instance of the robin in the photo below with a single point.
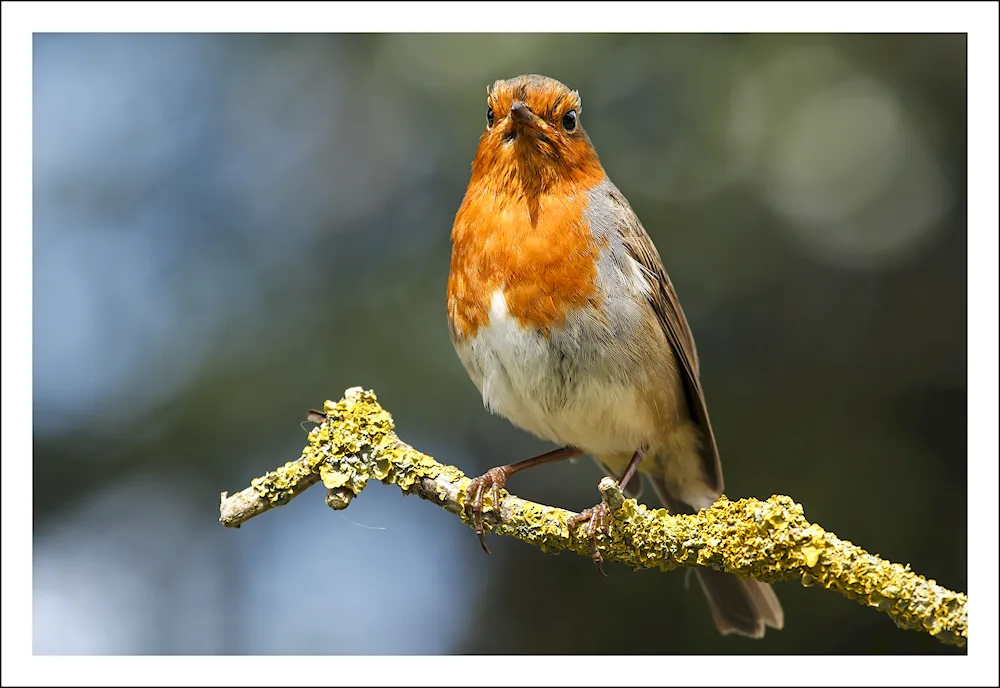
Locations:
(563, 315)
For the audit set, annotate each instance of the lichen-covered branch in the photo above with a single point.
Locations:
(767, 540)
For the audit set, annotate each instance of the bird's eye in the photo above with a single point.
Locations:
(569, 120)
(489, 117)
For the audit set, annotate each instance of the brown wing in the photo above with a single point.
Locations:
(668, 310)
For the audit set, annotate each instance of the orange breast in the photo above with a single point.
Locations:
(540, 252)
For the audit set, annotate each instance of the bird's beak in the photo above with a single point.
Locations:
(524, 117)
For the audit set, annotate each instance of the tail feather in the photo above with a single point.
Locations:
(744, 607)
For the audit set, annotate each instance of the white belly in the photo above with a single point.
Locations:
(567, 388)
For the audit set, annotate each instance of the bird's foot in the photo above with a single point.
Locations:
(596, 519)
(495, 479)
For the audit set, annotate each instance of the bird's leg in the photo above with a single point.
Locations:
(496, 478)
(597, 516)
(633, 466)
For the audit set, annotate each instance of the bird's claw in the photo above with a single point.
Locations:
(596, 519)
(495, 478)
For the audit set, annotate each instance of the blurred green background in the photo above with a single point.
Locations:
(229, 229)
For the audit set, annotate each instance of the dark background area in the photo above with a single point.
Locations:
(229, 229)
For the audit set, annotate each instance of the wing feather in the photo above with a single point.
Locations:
(665, 303)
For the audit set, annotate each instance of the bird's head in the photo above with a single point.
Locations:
(534, 137)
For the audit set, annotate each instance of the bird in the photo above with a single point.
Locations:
(562, 314)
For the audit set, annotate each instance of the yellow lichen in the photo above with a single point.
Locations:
(278, 486)
(357, 442)
(811, 554)
(333, 478)
(768, 540)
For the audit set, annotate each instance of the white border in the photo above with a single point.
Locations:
(19, 20)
